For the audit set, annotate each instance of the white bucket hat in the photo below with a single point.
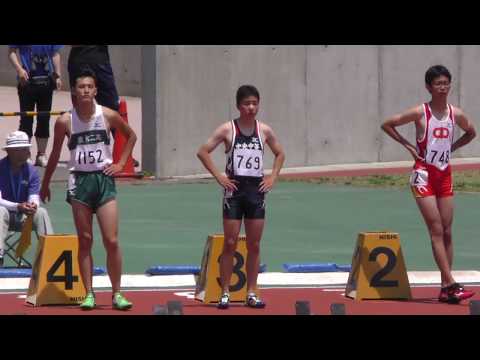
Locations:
(17, 139)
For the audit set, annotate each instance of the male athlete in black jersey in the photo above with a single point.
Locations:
(244, 186)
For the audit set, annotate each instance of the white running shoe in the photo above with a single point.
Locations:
(41, 161)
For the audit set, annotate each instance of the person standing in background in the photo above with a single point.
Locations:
(38, 70)
(97, 58)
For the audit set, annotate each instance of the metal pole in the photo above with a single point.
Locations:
(32, 113)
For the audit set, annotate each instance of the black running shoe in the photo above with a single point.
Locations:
(254, 302)
(224, 301)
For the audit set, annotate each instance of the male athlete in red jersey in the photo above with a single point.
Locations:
(431, 179)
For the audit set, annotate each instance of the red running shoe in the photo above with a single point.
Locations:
(443, 296)
(456, 293)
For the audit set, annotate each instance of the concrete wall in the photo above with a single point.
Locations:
(326, 103)
(125, 59)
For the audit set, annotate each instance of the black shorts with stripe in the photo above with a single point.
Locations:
(246, 202)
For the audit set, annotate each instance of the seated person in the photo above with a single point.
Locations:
(19, 190)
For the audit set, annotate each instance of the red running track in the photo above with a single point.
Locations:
(280, 301)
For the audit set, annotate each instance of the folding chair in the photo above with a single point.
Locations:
(11, 243)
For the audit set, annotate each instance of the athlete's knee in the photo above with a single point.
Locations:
(253, 247)
(111, 244)
(436, 230)
(229, 245)
(85, 241)
(447, 233)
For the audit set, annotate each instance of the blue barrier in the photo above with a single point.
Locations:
(15, 272)
(173, 270)
(183, 269)
(345, 268)
(98, 270)
(310, 268)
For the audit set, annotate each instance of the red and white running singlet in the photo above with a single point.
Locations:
(433, 176)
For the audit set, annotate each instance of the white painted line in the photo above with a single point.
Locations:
(268, 280)
(187, 294)
(333, 290)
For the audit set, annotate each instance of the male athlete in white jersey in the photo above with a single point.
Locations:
(91, 186)
(244, 186)
(431, 179)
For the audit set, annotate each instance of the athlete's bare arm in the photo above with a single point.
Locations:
(60, 131)
(272, 141)
(222, 134)
(464, 123)
(115, 121)
(389, 126)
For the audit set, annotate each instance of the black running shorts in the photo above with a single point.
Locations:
(247, 202)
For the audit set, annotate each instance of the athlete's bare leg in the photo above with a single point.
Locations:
(82, 217)
(253, 231)
(431, 214)
(445, 207)
(107, 216)
(231, 230)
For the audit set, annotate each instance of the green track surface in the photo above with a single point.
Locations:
(164, 224)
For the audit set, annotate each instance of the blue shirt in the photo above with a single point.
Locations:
(37, 59)
(18, 188)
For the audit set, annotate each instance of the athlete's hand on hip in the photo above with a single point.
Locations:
(267, 183)
(227, 184)
(45, 194)
(112, 169)
(414, 153)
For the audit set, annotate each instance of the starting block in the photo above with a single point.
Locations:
(208, 288)
(337, 309)
(55, 274)
(172, 308)
(474, 306)
(302, 308)
(378, 268)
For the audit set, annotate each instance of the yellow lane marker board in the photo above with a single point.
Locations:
(208, 288)
(56, 275)
(378, 268)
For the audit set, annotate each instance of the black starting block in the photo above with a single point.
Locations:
(337, 309)
(160, 310)
(175, 308)
(172, 308)
(302, 308)
(474, 307)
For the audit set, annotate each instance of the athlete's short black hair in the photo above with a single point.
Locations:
(85, 71)
(436, 71)
(246, 91)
